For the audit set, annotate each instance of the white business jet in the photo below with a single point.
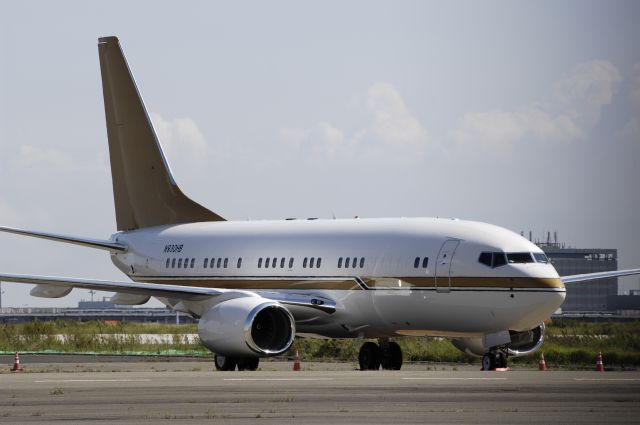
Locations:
(256, 285)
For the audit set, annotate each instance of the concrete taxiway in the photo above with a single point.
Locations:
(190, 392)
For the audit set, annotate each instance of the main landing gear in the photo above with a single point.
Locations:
(494, 359)
(386, 354)
(225, 363)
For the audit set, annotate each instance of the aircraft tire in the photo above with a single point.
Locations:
(248, 363)
(224, 363)
(369, 357)
(489, 361)
(390, 356)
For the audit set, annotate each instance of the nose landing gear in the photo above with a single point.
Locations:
(494, 359)
(387, 354)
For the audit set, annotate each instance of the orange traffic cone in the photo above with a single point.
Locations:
(296, 362)
(599, 364)
(16, 364)
(543, 365)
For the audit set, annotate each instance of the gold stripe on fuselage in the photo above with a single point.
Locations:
(351, 283)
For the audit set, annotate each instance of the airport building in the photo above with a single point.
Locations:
(585, 297)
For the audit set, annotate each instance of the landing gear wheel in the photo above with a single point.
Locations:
(248, 363)
(369, 358)
(501, 360)
(224, 363)
(489, 361)
(392, 358)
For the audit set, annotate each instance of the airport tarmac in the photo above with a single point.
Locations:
(69, 389)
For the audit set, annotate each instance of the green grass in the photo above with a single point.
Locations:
(568, 343)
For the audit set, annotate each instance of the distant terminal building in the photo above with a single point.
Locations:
(592, 296)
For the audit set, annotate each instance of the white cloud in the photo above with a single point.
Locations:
(179, 133)
(390, 124)
(582, 94)
(181, 139)
(569, 111)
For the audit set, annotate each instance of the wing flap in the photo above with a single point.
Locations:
(151, 289)
(50, 286)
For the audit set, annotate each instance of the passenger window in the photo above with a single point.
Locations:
(212, 262)
(499, 259)
(173, 263)
(218, 263)
(179, 262)
(355, 261)
(311, 262)
(259, 262)
(226, 262)
(304, 262)
(340, 262)
(291, 262)
(425, 262)
(273, 263)
(193, 262)
(416, 263)
(346, 263)
(239, 262)
(168, 262)
(282, 263)
(318, 263)
(362, 262)
(266, 262)
(206, 262)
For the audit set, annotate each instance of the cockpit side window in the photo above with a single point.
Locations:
(499, 259)
(519, 257)
(485, 258)
(540, 257)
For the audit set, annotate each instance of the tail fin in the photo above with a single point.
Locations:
(144, 190)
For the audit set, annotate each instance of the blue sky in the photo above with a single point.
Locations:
(521, 114)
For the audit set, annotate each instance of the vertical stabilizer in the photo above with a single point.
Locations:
(144, 190)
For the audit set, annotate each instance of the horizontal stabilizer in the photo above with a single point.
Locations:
(600, 275)
(88, 242)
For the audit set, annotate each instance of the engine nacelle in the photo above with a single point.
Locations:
(522, 343)
(247, 326)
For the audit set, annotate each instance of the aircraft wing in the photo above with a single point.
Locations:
(600, 275)
(61, 286)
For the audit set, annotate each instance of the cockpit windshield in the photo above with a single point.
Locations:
(519, 257)
(497, 259)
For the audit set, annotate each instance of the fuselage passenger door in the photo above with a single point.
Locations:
(443, 265)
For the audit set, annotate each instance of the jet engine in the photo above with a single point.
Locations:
(522, 343)
(247, 327)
